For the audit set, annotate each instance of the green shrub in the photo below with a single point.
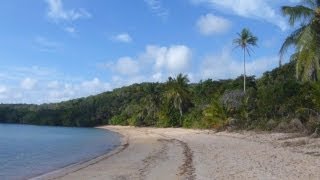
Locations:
(193, 119)
(214, 115)
(119, 120)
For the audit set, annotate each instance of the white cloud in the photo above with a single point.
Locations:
(155, 63)
(126, 66)
(53, 91)
(71, 90)
(57, 13)
(157, 8)
(223, 66)
(28, 83)
(175, 58)
(41, 85)
(178, 58)
(65, 93)
(210, 24)
(255, 9)
(123, 37)
(157, 55)
(155, 60)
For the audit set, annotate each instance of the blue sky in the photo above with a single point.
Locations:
(55, 50)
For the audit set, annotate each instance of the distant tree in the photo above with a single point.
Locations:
(152, 103)
(305, 39)
(245, 40)
(232, 99)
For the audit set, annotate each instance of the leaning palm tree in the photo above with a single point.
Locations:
(305, 39)
(178, 92)
(245, 40)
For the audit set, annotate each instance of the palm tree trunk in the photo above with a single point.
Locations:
(244, 70)
(180, 110)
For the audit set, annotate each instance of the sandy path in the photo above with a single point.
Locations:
(194, 154)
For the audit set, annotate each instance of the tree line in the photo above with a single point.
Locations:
(269, 102)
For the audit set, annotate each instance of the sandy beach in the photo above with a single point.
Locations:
(150, 153)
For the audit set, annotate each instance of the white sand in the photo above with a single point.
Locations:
(149, 153)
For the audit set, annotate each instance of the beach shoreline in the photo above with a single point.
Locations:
(158, 153)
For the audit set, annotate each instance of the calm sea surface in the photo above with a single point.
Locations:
(27, 151)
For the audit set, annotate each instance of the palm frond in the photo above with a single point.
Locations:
(245, 40)
(246, 49)
(303, 65)
(253, 41)
(294, 57)
(298, 12)
(291, 40)
(307, 64)
(305, 38)
(237, 41)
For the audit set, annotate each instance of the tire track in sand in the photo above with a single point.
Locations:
(154, 158)
(187, 169)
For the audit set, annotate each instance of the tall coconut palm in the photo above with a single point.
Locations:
(245, 40)
(305, 39)
(179, 93)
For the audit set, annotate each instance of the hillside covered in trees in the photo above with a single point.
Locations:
(276, 101)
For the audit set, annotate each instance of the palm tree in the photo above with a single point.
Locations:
(305, 39)
(179, 93)
(245, 40)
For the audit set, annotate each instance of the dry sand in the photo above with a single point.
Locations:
(149, 153)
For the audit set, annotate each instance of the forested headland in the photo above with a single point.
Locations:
(276, 101)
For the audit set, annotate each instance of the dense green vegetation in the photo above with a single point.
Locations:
(270, 102)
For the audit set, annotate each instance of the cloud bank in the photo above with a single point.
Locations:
(254, 9)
